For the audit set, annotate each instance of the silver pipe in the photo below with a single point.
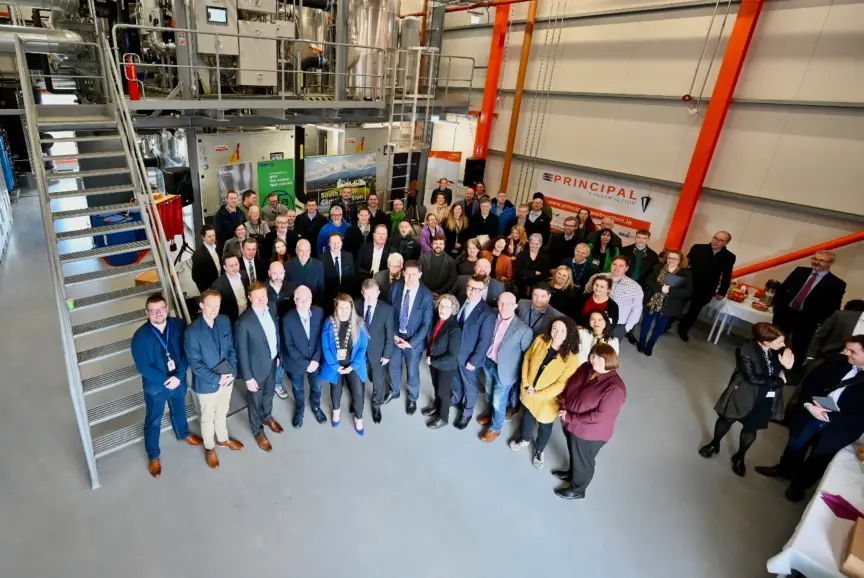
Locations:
(42, 40)
(68, 6)
(160, 45)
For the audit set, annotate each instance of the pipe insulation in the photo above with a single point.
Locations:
(41, 40)
(67, 6)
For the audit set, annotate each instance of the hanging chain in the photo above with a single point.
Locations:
(713, 56)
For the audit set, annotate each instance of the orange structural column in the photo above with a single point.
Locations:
(715, 116)
(493, 74)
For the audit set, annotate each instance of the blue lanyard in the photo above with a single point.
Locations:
(164, 342)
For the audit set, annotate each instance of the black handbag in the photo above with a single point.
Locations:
(738, 399)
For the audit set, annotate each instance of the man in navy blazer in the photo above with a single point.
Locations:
(258, 343)
(157, 348)
(412, 319)
(301, 353)
(209, 343)
(341, 279)
(232, 287)
(306, 270)
(477, 321)
(377, 316)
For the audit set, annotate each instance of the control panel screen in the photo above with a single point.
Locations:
(217, 15)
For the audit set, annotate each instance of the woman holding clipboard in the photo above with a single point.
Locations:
(667, 290)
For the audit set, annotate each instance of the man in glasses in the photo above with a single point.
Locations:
(711, 267)
(157, 348)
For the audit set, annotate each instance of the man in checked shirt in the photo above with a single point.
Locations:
(627, 294)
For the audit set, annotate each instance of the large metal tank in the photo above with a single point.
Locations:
(372, 23)
(409, 36)
(311, 25)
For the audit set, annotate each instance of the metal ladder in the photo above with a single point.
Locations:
(97, 324)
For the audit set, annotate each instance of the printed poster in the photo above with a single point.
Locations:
(234, 177)
(442, 165)
(277, 176)
(327, 175)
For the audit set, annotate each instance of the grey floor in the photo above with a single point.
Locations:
(401, 502)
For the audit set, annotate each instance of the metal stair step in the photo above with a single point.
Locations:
(93, 191)
(98, 231)
(56, 176)
(104, 251)
(95, 210)
(109, 273)
(115, 408)
(119, 295)
(73, 122)
(121, 438)
(90, 138)
(104, 351)
(109, 322)
(109, 379)
(80, 156)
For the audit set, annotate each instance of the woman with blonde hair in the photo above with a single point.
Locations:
(517, 241)
(563, 291)
(457, 229)
(442, 355)
(667, 289)
(440, 208)
(466, 261)
(344, 341)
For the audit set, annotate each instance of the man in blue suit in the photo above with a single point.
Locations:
(301, 353)
(209, 344)
(477, 321)
(306, 270)
(157, 348)
(257, 341)
(412, 317)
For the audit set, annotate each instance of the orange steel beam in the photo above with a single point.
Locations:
(517, 97)
(490, 4)
(789, 257)
(423, 23)
(715, 116)
(493, 74)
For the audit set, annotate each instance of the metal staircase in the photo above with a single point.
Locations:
(99, 307)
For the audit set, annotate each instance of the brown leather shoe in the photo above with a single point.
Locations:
(484, 420)
(511, 411)
(263, 443)
(194, 440)
(274, 425)
(212, 458)
(489, 436)
(155, 467)
(231, 444)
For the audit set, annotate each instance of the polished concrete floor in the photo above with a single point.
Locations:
(402, 502)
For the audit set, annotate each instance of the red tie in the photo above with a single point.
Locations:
(798, 302)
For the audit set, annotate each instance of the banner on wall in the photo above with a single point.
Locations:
(327, 175)
(633, 204)
(442, 165)
(234, 177)
(277, 176)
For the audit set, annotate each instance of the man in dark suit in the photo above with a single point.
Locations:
(494, 288)
(359, 233)
(258, 343)
(377, 316)
(477, 320)
(340, 276)
(309, 223)
(438, 268)
(412, 320)
(377, 216)
(538, 221)
(581, 267)
(819, 430)
(232, 287)
(484, 222)
(372, 257)
(306, 270)
(301, 353)
(711, 267)
(280, 231)
(642, 257)
(209, 343)
(227, 218)
(280, 293)
(349, 207)
(831, 337)
(206, 261)
(805, 299)
(251, 264)
(561, 245)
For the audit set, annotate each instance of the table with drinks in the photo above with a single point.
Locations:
(732, 306)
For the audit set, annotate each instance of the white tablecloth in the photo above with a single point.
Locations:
(819, 542)
(726, 309)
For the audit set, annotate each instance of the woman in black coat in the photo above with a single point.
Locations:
(531, 265)
(754, 392)
(442, 353)
(668, 287)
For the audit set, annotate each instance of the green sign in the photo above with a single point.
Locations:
(276, 176)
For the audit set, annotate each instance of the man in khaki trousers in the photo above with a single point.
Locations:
(209, 344)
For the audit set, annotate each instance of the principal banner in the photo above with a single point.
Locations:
(634, 205)
(327, 175)
(442, 165)
(277, 176)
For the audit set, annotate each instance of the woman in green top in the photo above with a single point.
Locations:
(603, 252)
(397, 215)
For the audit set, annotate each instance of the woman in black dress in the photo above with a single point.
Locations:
(466, 261)
(564, 294)
(456, 231)
(442, 355)
(754, 392)
(531, 265)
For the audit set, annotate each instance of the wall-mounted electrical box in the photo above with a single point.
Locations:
(216, 17)
(258, 54)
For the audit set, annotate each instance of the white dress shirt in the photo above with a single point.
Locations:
(366, 306)
(269, 329)
(250, 270)
(835, 395)
(338, 266)
(306, 322)
(212, 250)
(376, 258)
(239, 292)
(413, 296)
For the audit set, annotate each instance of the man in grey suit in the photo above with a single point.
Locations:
(831, 337)
(378, 318)
(258, 343)
(510, 340)
(494, 288)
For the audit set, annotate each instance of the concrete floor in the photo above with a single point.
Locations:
(402, 502)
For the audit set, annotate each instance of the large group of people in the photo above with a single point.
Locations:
(492, 301)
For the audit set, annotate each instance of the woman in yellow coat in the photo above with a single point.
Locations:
(550, 361)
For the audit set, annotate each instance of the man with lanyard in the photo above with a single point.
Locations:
(157, 348)
(582, 268)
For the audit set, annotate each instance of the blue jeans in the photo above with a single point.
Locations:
(499, 393)
(412, 363)
(660, 321)
(297, 387)
(280, 374)
(465, 390)
(154, 405)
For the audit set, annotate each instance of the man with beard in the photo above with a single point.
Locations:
(438, 268)
(492, 290)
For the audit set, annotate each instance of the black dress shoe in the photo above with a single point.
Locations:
(297, 422)
(462, 422)
(738, 466)
(640, 347)
(562, 474)
(376, 414)
(649, 351)
(436, 423)
(410, 407)
(429, 411)
(319, 415)
(684, 337)
(708, 450)
(568, 493)
(774, 471)
(390, 397)
(794, 493)
(632, 338)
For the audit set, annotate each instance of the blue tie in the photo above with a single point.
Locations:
(462, 316)
(403, 314)
(367, 319)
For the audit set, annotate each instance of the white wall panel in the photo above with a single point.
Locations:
(836, 69)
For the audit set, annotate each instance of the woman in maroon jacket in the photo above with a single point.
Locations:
(589, 407)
